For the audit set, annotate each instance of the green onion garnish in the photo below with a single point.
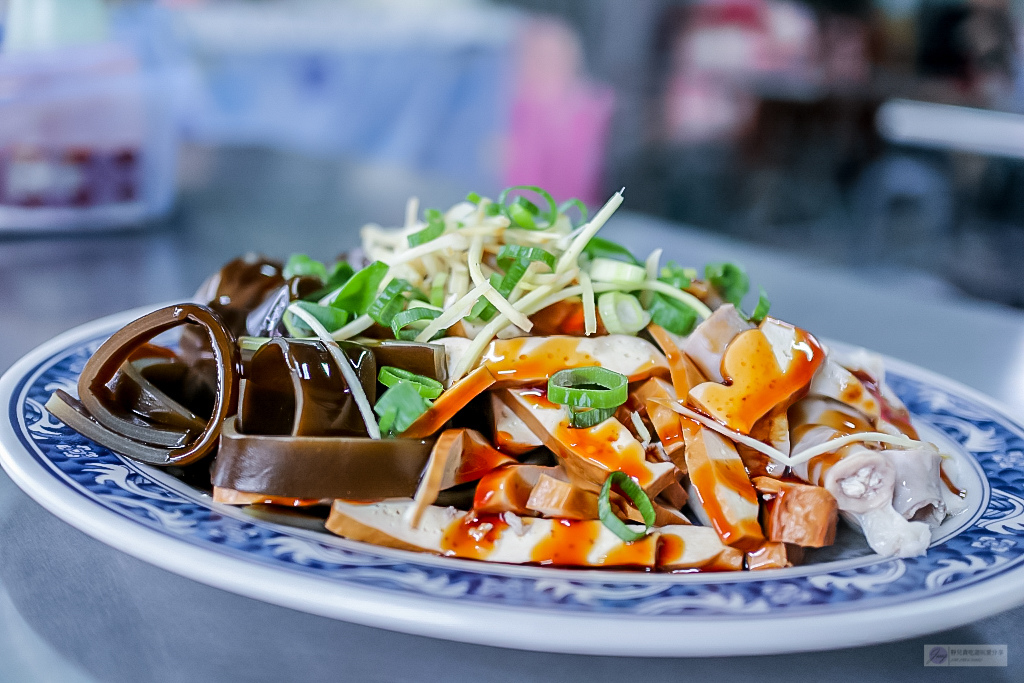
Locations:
(580, 206)
(672, 314)
(411, 316)
(525, 214)
(399, 407)
(636, 494)
(598, 247)
(589, 393)
(473, 198)
(510, 253)
(356, 295)
(435, 226)
(761, 310)
(622, 313)
(390, 302)
(339, 274)
(301, 265)
(675, 275)
(428, 388)
(437, 289)
(729, 279)
(609, 270)
(331, 318)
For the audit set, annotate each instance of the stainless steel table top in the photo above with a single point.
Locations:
(75, 610)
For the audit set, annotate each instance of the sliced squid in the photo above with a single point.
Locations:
(720, 491)
(707, 343)
(529, 360)
(588, 455)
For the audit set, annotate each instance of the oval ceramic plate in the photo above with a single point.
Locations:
(848, 597)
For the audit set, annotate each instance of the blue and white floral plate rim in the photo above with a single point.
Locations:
(973, 569)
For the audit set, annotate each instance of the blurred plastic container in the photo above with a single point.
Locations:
(87, 135)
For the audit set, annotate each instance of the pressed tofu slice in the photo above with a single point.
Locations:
(588, 455)
(707, 343)
(511, 435)
(665, 420)
(494, 538)
(529, 360)
(800, 514)
(695, 547)
(723, 492)
(685, 374)
(766, 367)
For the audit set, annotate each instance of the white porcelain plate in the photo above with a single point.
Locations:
(847, 597)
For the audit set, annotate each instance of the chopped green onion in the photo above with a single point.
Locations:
(484, 309)
(300, 265)
(473, 198)
(403, 319)
(761, 310)
(523, 213)
(492, 209)
(252, 343)
(510, 253)
(583, 389)
(580, 206)
(675, 275)
(437, 289)
(598, 247)
(608, 270)
(729, 279)
(434, 229)
(429, 388)
(331, 318)
(632, 489)
(356, 295)
(390, 302)
(399, 407)
(340, 273)
(622, 313)
(672, 314)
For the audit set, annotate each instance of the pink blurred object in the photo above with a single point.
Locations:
(560, 120)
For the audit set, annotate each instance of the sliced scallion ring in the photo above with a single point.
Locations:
(409, 317)
(524, 213)
(589, 393)
(510, 253)
(610, 270)
(387, 305)
(761, 310)
(580, 206)
(636, 494)
(622, 313)
(429, 388)
(433, 230)
(437, 289)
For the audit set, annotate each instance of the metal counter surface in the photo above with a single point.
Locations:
(75, 610)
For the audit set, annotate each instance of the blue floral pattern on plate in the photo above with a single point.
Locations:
(986, 546)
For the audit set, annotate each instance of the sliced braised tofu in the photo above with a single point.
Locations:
(665, 420)
(386, 524)
(458, 456)
(668, 516)
(721, 487)
(553, 497)
(832, 380)
(707, 343)
(684, 372)
(511, 435)
(766, 367)
(772, 429)
(495, 538)
(508, 489)
(588, 455)
(695, 547)
(454, 399)
(529, 360)
(773, 555)
(800, 514)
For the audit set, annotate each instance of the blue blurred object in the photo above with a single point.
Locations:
(421, 85)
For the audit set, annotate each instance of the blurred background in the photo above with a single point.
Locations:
(867, 133)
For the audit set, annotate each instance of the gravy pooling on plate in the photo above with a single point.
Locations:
(497, 382)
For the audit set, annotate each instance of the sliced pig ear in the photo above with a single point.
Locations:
(707, 343)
